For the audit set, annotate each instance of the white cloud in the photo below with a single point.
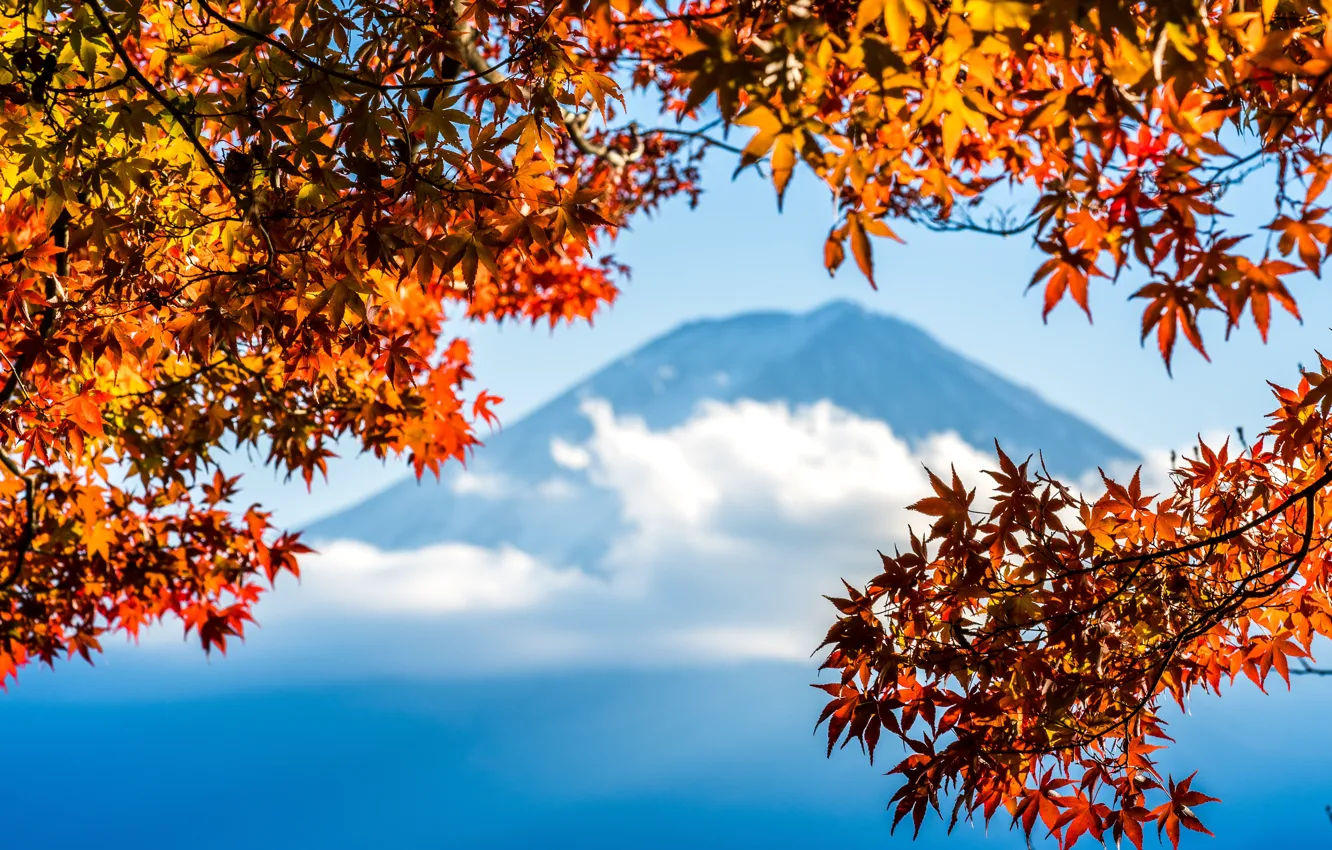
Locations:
(466, 482)
(737, 522)
(568, 455)
(755, 472)
(554, 489)
(349, 578)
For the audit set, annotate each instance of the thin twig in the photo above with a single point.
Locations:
(60, 233)
(182, 120)
(1307, 669)
(352, 77)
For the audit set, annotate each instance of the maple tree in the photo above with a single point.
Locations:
(1022, 646)
(259, 222)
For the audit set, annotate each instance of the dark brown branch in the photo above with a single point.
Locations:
(348, 76)
(86, 90)
(693, 134)
(60, 233)
(1227, 607)
(1305, 492)
(168, 386)
(670, 19)
(183, 120)
(186, 125)
(574, 124)
(1307, 669)
(970, 226)
(29, 532)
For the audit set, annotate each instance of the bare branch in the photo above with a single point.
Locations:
(1003, 225)
(484, 73)
(574, 123)
(670, 19)
(697, 135)
(29, 532)
(60, 233)
(1306, 493)
(1307, 669)
(186, 125)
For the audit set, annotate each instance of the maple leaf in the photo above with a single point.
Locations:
(1177, 810)
(951, 504)
(1068, 273)
(1172, 308)
(481, 408)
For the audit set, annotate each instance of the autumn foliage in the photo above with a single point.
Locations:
(254, 225)
(263, 224)
(1021, 648)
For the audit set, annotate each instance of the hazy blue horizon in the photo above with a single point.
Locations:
(712, 758)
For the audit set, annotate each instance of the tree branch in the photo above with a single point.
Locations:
(670, 19)
(350, 76)
(29, 532)
(186, 125)
(1003, 228)
(60, 233)
(1306, 492)
(574, 124)
(697, 135)
(1307, 669)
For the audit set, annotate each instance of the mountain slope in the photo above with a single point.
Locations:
(871, 365)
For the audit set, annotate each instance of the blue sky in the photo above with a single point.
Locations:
(316, 736)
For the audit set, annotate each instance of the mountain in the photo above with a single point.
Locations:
(871, 365)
